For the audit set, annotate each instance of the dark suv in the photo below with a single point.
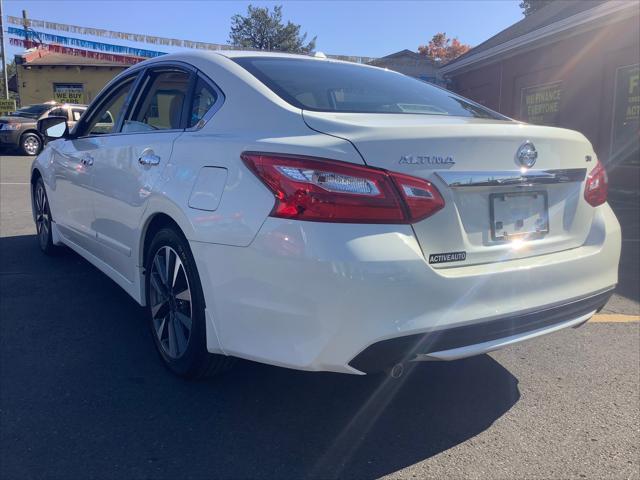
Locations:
(18, 129)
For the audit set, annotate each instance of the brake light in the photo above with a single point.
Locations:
(319, 190)
(597, 186)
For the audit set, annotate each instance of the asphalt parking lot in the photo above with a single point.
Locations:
(83, 394)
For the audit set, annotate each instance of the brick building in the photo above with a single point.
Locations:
(43, 76)
(571, 64)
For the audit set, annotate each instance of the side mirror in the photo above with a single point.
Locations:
(52, 128)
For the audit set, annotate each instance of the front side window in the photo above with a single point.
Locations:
(161, 104)
(204, 97)
(103, 120)
(327, 86)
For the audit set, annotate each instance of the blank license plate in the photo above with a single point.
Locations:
(518, 215)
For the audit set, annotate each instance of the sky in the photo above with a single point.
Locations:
(363, 28)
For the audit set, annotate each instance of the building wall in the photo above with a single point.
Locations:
(36, 83)
(576, 77)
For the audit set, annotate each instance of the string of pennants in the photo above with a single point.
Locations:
(132, 37)
(109, 51)
(109, 57)
(81, 43)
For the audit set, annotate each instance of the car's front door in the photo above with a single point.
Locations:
(71, 196)
(127, 166)
(73, 164)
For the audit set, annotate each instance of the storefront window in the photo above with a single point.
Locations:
(68, 92)
(540, 104)
(626, 112)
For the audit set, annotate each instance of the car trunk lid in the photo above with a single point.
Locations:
(495, 209)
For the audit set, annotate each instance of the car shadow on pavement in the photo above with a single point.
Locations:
(83, 394)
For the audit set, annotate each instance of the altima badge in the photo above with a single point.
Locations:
(429, 161)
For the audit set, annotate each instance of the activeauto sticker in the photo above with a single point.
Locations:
(447, 257)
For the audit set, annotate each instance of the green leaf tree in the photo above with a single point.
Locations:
(11, 71)
(263, 29)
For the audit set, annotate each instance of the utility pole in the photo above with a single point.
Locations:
(4, 55)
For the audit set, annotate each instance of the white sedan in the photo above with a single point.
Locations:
(323, 215)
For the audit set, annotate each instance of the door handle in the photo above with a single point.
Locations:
(86, 160)
(149, 158)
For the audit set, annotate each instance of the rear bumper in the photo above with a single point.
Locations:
(315, 296)
(479, 337)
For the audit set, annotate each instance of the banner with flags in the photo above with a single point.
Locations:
(85, 44)
(109, 57)
(132, 37)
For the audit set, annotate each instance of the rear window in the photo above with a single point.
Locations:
(328, 86)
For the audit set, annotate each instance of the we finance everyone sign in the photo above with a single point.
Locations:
(541, 104)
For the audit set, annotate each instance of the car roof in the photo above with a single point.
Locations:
(231, 54)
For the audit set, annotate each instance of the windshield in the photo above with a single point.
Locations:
(327, 86)
(31, 111)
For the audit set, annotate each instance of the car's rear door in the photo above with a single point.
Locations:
(128, 165)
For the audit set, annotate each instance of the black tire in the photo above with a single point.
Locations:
(167, 308)
(30, 144)
(42, 213)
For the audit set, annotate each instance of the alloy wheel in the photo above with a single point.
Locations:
(43, 217)
(31, 145)
(170, 300)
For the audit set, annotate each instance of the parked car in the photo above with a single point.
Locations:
(323, 215)
(18, 129)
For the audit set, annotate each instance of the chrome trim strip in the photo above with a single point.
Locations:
(491, 345)
(511, 177)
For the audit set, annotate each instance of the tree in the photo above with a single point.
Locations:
(443, 49)
(530, 6)
(264, 30)
(11, 71)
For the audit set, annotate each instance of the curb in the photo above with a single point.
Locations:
(614, 318)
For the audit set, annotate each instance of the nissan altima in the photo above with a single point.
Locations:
(323, 215)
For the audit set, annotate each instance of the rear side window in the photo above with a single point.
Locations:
(204, 97)
(76, 113)
(327, 86)
(161, 104)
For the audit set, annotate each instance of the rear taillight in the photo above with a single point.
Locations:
(597, 186)
(330, 191)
